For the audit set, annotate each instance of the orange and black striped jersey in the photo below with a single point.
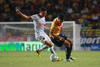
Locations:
(55, 28)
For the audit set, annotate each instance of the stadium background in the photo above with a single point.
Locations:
(85, 13)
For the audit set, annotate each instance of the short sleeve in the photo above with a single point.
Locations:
(35, 17)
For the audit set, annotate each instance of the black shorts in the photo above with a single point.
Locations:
(62, 35)
(57, 41)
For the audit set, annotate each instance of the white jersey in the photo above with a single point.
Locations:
(38, 22)
(39, 27)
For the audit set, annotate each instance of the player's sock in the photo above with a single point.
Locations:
(52, 51)
(70, 50)
(42, 48)
(38, 53)
(72, 58)
(67, 53)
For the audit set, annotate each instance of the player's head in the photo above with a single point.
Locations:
(43, 11)
(61, 18)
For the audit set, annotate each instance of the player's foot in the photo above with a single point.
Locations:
(72, 58)
(59, 59)
(68, 60)
(38, 53)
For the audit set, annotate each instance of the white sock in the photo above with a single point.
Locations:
(42, 48)
(52, 50)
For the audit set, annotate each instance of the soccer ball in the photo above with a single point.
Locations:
(53, 58)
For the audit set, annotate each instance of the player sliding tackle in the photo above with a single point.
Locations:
(39, 25)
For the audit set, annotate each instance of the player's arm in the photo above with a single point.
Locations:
(52, 32)
(56, 36)
(46, 27)
(23, 15)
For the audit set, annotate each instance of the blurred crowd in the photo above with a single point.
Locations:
(72, 9)
(81, 11)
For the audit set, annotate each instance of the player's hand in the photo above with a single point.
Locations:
(46, 27)
(18, 11)
(57, 37)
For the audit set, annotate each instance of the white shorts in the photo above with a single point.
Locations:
(42, 37)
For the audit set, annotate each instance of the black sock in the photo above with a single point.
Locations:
(71, 49)
(68, 52)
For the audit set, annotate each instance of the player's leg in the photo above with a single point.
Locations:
(41, 39)
(63, 37)
(68, 53)
(47, 44)
(71, 42)
(58, 42)
(50, 45)
(44, 47)
(67, 43)
(44, 38)
(41, 49)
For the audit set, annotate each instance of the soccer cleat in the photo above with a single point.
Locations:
(59, 59)
(68, 60)
(72, 58)
(38, 53)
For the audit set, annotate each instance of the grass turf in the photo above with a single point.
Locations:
(29, 59)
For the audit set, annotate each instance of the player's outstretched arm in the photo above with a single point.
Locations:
(23, 15)
(46, 27)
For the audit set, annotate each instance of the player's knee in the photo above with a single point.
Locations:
(69, 40)
(49, 44)
(67, 43)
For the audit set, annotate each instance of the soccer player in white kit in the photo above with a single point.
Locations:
(39, 25)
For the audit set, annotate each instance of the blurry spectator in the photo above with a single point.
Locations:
(76, 7)
(37, 5)
(95, 19)
(84, 11)
(42, 1)
(72, 17)
(69, 10)
(1, 1)
(80, 20)
(59, 7)
(94, 2)
(49, 7)
(94, 9)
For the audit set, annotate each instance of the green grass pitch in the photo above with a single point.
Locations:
(29, 59)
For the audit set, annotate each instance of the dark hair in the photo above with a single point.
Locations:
(61, 17)
(43, 9)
